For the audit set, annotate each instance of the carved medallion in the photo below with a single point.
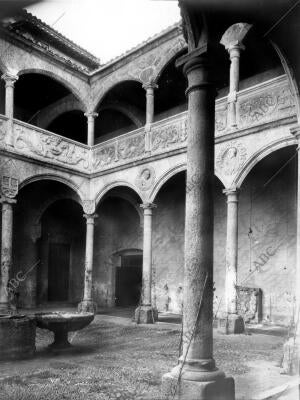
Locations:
(9, 186)
(231, 157)
(145, 178)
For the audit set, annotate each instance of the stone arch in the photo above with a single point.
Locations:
(168, 175)
(107, 188)
(107, 87)
(169, 57)
(258, 156)
(50, 113)
(127, 110)
(56, 178)
(62, 81)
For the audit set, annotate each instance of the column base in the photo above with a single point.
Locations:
(146, 315)
(87, 306)
(231, 324)
(5, 308)
(209, 385)
(291, 357)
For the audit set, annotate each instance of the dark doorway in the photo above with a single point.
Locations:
(129, 280)
(58, 272)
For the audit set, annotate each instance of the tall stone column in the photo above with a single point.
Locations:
(196, 376)
(145, 313)
(87, 304)
(6, 250)
(232, 323)
(232, 41)
(291, 348)
(10, 80)
(91, 127)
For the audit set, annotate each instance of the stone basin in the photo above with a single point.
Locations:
(60, 323)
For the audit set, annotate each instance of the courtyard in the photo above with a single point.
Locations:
(113, 358)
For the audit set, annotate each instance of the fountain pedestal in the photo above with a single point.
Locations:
(61, 323)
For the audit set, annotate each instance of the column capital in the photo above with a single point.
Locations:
(148, 206)
(7, 200)
(91, 114)
(234, 48)
(90, 218)
(232, 194)
(150, 86)
(295, 130)
(9, 79)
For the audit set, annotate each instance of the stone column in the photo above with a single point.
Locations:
(87, 304)
(10, 80)
(196, 375)
(91, 127)
(234, 53)
(232, 323)
(149, 87)
(291, 348)
(232, 41)
(145, 313)
(6, 250)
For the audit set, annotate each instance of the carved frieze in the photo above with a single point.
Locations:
(231, 157)
(49, 146)
(131, 147)
(168, 136)
(272, 104)
(104, 156)
(221, 120)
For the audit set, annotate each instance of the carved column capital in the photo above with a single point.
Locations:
(7, 200)
(9, 79)
(90, 218)
(89, 206)
(91, 115)
(148, 206)
(150, 86)
(232, 194)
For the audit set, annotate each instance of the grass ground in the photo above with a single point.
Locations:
(114, 359)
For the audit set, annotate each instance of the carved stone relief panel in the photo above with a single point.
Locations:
(42, 144)
(145, 178)
(170, 135)
(272, 104)
(131, 147)
(104, 156)
(231, 157)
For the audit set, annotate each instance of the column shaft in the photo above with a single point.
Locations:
(147, 257)
(89, 254)
(91, 128)
(234, 52)
(199, 213)
(231, 251)
(6, 251)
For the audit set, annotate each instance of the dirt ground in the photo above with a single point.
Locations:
(115, 359)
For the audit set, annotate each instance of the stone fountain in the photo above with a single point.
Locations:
(61, 323)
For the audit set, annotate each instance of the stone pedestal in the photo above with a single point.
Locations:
(231, 324)
(219, 388)
(146, 315)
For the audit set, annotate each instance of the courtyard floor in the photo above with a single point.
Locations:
(116, 359)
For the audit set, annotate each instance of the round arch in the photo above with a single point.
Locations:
(168, 175)
(80, 97)
(127, 110)
(175, 52)
(108, 87)
(56, 178)
(116, 184)
(259, 155)
(40, 212)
